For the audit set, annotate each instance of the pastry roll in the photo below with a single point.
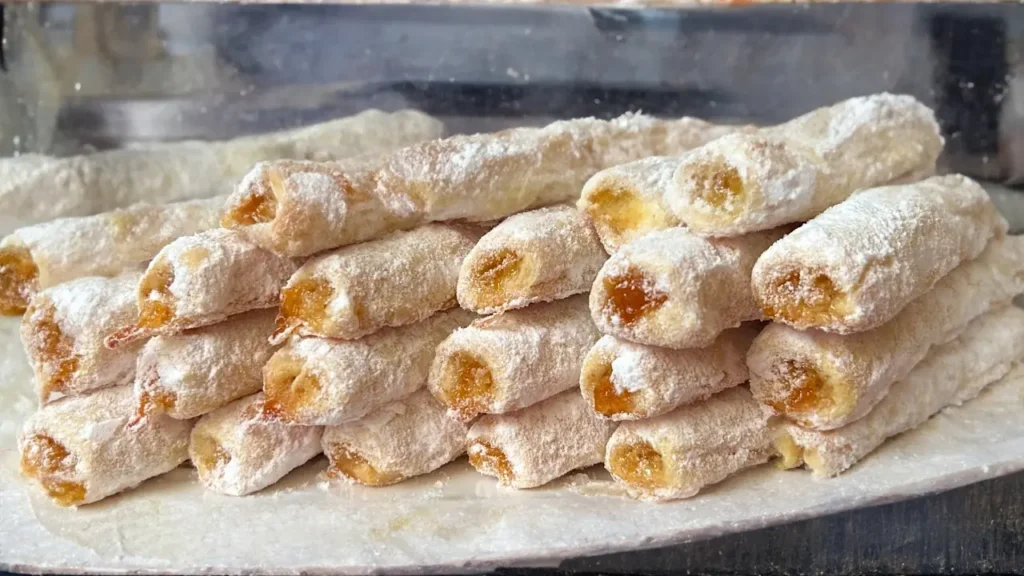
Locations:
(509, 361)
(398, 441)
(951, 374)
(327, 382)
(189, 374)
(360, 289)
(237, 451)
(535, 445)
(201, 280)
(297, 208)
(676, 289)
(746, 182)
(539, 256)
(44, 255)
(621, 380)
(63, 332)
(38, 188)
(82, 449)
(676, 454)
(823, 381)
(627, 201)
(860, 262)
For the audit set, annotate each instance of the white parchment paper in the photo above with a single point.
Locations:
(455, 519)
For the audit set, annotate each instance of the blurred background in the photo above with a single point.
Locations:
(80, 77)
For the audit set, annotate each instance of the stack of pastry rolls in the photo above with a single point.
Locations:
(412, 338)
(309, 322)
(139, 320)
(540, 299)
(887, 292)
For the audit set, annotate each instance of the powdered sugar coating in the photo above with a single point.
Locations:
(356, 377)
(100, 182)
(705, 283)
(478, 178)
(530, 354)
(107, 244)
(657, 380)
(407, 438)
(237, 452)
(542, 442)
(558, 255)
(214, 274)
(859, 368)
(879, 250)
(397, 280)
(745, 182)
(104, 454)
(82, 312)
(698, 445)
(951, 374)
(201, 370)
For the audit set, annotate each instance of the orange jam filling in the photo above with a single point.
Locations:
(808, 392)
(638, 464)
(497, 275)
(208, 454)
(152, 402)
(815, 303)
(625, 214)
(55, 351)
(18, 278)
(305, 302)
(256, 207)
(718, 185)
(156, 303)
(347, 463)
(607, 400)
(632, 295)
(491, 460)
(41, 458)
(288, 388)
(469, 384)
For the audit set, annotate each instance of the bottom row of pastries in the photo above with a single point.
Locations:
(85, 448)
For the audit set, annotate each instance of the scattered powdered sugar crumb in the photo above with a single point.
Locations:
(627, 375)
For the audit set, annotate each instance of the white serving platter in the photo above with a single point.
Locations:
(455, 520)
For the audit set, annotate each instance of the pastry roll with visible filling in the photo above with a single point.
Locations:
(823, 381)
(538, 256)
(509, 361)
(327, 382)
(951, 374)
(855, 266)
(63, 331)
(82, 449)
(200, 280)
(535, 445)
(407, 438)
(621, 380)
(676, 454)
(37, 188)
(678, 290)
(237, 451)
(357, 290)
(752, 181)
(298, 209)
(189, 374)
(44, 255)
